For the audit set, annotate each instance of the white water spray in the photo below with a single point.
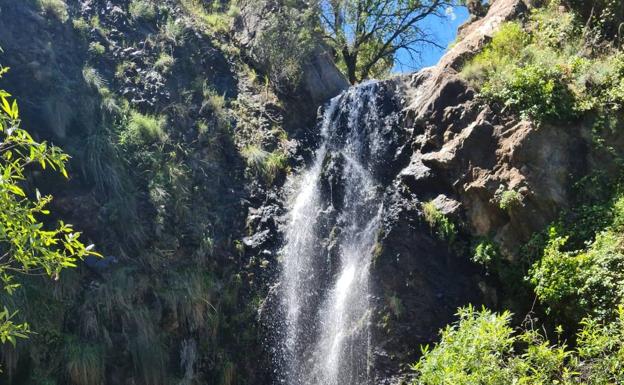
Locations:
(325, 293)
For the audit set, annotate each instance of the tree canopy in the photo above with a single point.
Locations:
(366, 34)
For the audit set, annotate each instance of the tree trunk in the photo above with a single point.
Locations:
(351, 64)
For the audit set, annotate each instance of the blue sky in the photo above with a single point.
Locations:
(443, 30)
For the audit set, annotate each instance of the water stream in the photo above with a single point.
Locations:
(330, 234)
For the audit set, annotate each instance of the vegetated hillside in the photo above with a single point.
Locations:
(501, 186)
(537, 175)
(174, 130)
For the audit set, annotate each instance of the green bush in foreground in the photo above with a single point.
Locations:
(482, 348)
(28, 246)
(586, 281)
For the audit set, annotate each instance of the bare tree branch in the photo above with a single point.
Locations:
(367, 34)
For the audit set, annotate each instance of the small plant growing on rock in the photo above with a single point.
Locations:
(217, 104)
(123, 68)
(213, 19)
(485, 252)
(143, 129)
(56, 8)
(97, 25)
(509, 199)
(93, 78)
(142, 9)
(84, 362)
(444, 228)
(267, 164)
(81, 25)
(97, 48)
(254, 156)
(173, 30)
(164, 63)
(274, 164)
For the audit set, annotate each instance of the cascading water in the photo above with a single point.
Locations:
(330, 235)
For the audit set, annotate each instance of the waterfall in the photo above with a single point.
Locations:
(330, 234)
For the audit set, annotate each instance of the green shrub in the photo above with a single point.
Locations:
(482, 348)
(471, 351)
(605, 16)
(510, 199)
(56, 8)
(217, 104)
(212, 18)
(600, 350)
(284, 47)
(142, 9)
(536, 92)
(97, 48)
(92, 77)
(108, 98)
(173, 30)
(267, 164)
(532, 69)
(444, 228)
(485, 252)
(122, 68)
(553, 69)
(97, 25)
(143, 129)
(102, 164)
(557, 276)
(164, 63)
(503, 52)
(81, 25)
(275, 163)
(589, 281)
(255, 156)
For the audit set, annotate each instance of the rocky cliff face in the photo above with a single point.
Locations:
(188, 267)
(175, 298)
(461, 155)
(447, 147)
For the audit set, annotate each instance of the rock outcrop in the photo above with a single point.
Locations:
(463, 155)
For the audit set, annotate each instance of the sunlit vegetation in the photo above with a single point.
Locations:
(214, 18)
(482, 347)
(143, 129)
(544, 70)
(54, 8)
(266, 164)
(439, 223)
(29, 246)
(562, 65)
(164, 63)
(142, 9)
